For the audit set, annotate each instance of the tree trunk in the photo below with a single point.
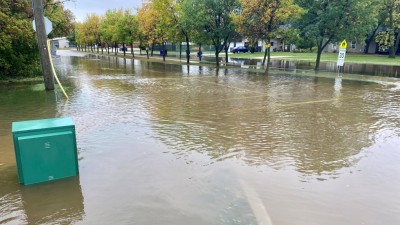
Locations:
(391, 27)
(367, 44)
(392, 54)
(180, 50)
(226, 52)
(201, 56)
(369, 40)
(216, 56)
(319, 52)
(163, 51)
(116, 48)
(133, 53)
(321, 47)
(268, 59)
(42, 45)
(123, 48)
(396, 45)
(187, 50)
(152, 49)
(265, 55)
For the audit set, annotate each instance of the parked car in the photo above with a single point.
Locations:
(239, 49)
(123, 49)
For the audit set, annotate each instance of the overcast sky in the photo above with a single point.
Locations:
(81, 8)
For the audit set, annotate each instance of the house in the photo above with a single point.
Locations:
(352, 47)
(60, 42)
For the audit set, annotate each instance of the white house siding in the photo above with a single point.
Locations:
(61, 42)
(356, 47)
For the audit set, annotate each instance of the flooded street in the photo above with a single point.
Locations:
(176, 144)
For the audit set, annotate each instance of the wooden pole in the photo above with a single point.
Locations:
(42, 44)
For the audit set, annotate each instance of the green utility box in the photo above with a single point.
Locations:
(45, 150)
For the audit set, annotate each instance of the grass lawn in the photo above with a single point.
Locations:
(327, 57)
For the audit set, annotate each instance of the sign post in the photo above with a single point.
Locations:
(342, 55)
(43, 28)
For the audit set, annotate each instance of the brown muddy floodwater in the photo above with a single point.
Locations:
(171, 144)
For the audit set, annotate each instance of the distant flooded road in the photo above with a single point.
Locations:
(175, 144)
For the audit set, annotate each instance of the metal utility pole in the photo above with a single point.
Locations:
(42, 44)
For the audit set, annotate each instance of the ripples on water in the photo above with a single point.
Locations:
(213, 127)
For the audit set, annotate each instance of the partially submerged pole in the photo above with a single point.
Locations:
(42, 44)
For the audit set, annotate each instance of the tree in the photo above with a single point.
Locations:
(259, 19)
(19, 56)
(191, 27)
(127, 29)
(147, 18)
(18, 50)
(288, 34)
(331, 21)
(166, 27)
(182, 16)
(80, 35)
(108, 28)
(214, 17)
(390, 37)
(91, 28)
(377, 20)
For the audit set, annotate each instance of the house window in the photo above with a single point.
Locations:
(334, 46)
(353, 44)
(272, 43)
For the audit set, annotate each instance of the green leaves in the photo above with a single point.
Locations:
(331, 21)
(127, 27)
(18, 50)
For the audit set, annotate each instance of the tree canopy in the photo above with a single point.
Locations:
(19, 56)
(18, 49)
(331, 21)
(305, 23)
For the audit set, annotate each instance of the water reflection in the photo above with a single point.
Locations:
(53, 203)
(349, 68)
(263, 127)
(275, 120)
(49, 203)
(199, 145)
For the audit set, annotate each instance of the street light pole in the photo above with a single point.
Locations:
(42, 44)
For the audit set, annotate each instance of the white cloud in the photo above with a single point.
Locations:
(81, 8)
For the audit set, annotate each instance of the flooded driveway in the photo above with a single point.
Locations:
(177, 144)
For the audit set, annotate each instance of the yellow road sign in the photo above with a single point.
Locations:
(343, 44)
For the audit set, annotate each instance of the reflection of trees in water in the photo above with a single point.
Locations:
(58, 202)
(349, 68)
(289, 121)
(26, 102)
(314, 124)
